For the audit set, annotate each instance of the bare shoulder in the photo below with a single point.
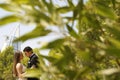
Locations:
(19, 65)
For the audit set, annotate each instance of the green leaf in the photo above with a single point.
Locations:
(113, 2)
(6, 7)
(80, 72)
(41, 15)
(49, 5)
(115, 42)
(113, 51)
(109, 71)
(85, 56)
(115, 32)
(49, 58)
(65, 9)
(68, 53)
(68, 56)
(21, 1)
(70, 3)
(37, 32)
(72, 32)
(78, 10)
(55, 53)
(91, 20)
(55, 44)
(10, 7)
(32, 73)
(75, 13)
(104, 10)
(8, 19)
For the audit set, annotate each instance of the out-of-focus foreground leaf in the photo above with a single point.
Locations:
(37, 32)
(8, 19)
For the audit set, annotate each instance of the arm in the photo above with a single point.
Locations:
(19, 68)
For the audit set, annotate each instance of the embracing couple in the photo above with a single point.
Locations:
(19, 68)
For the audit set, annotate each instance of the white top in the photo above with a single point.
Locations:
(20, 70)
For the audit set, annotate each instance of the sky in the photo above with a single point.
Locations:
(9, 29)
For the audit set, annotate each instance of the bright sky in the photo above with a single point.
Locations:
(10, 28)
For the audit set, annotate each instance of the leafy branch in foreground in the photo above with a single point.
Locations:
(89, 49)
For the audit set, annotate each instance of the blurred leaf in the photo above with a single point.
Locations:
(7, 7)
(49, 58)
(115, 42)
(113, 2)
(43, 16)
(104, 10)
(72, 32)
(70, 3)
(69, 18)
(55, 44)
(70, 74)
(85, 56)
(8, 19)
(55, 53)
(65, 9)
(38, 16)
(10, 7)
(37, 32)
(109, 71)
(21, 1)
(78, 10)
(115, 31)
(113, 51)
(68, 53)
(49, 5)
(6, 64)
(32, 73)
(90, 19)
(68, 57)
(81, 72)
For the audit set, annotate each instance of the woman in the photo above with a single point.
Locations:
(18, 67)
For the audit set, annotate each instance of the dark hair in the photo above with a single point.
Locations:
(28, 49)
(16, 60)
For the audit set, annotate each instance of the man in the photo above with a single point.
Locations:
(33, 62)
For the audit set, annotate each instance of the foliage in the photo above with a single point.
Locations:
(6, 63)
(90, 47)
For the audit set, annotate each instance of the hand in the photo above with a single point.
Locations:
(33, 66)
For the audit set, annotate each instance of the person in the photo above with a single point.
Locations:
(33, 61)
(18, 67)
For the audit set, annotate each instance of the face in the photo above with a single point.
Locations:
(27, 53)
